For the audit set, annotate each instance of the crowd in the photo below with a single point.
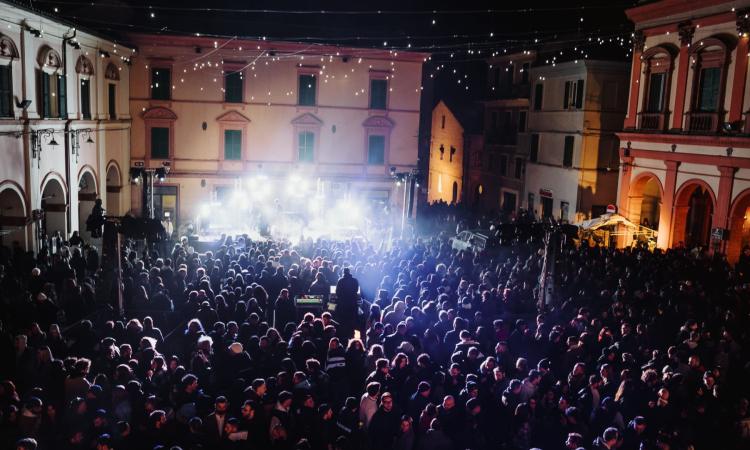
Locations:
(450, 350)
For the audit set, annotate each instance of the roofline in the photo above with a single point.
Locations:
(112, 38)
(665, 8)
(299, 48)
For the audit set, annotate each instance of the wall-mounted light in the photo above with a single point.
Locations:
(104, 53)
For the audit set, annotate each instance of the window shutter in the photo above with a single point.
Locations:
(45, 95)
(538, 93)
(376, 149)
(233, 144)
(566, 97)
(6, 92)
(378, 94)
(579, 94)
(568, 154)
(85, 99)
(160, 143)
(62, 97)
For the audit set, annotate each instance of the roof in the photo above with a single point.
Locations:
(470, 116)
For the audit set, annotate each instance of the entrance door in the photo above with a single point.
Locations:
(546, 207)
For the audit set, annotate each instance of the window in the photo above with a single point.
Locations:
(522, 121)
(525, 73)
(503, 165)
(306, 90)
(306, 146)
(530, 202)
(112, 99)
(708, 89)
(453, 152)
(159, 143)
(494, 120)
(509, 202)
(378, 93)
(573, 95)
(534, 148)
(442, 151)
(656, 85)
(568, 153)
(160, 83)
(233, 87)
(376, 149)
(233, 144)
(564, 207)
(86, 99)
(519, 168)
(538, 94)
(54, 103)
(6, 91)
(442, 122)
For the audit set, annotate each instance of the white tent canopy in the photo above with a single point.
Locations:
(606, 220)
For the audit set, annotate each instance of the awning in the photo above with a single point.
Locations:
(606, 220)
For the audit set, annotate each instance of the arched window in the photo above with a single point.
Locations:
(709, 59)
(112, 75)
(52, 95)
(657, 70)
(85, 70)
(8, 52)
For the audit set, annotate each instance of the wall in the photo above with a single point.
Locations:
(444, 171)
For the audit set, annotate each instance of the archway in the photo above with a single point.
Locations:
(694, 206)
(739, 226)
(86, 197)
(644, 200)
(13, 217)
(114, 185)
(55, 208)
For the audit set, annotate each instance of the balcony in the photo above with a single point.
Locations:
(703, 122)
(654, 121)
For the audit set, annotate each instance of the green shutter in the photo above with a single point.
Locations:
(306, 94)
(6, 92)
(376, 150)
(233, 88)
(159, 143)
(568, 154)
(378, 94)
(233, 144)
(62, 97)
(46, 105)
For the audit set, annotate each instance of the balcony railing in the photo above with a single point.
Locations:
(653, 121)
(703, 122)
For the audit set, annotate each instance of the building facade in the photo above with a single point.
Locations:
(64, 127)
(576, 108)
(224, 115)
(446, 157)
(497, 161)
(685, 148)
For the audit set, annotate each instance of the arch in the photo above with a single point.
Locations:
(643, 206)
(378, 122)
(55, 205)
(13, 214)
(725, 43)
(670, 50)
(112, 72)
(113, 167)
(52, 175)
(8, 48)
(49, 59)
(90, 170)
(84, 66)
(113, 188)
(694, 205)
(15, 187)
(739, 226)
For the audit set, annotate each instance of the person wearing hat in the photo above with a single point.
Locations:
(419, 400)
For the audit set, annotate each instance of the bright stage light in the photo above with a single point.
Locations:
(204, 210)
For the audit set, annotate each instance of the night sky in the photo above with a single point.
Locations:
(460, 35)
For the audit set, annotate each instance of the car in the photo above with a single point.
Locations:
(476, 240)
